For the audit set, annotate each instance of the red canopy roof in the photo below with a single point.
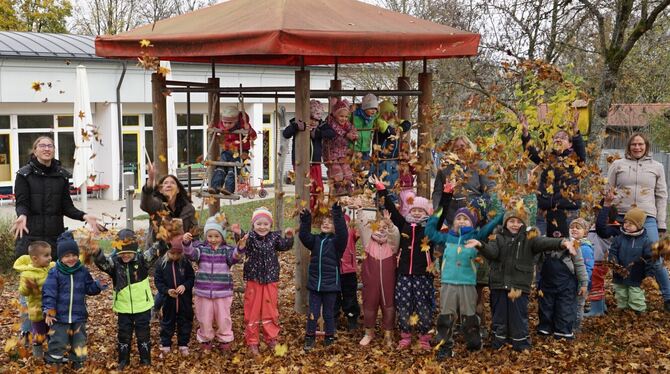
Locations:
(279, 32)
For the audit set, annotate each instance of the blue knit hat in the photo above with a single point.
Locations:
(66, 244)
(468, 213)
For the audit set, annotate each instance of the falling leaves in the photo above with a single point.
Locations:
(37, 86)
(145, 43)
(81, 114)
(280, 350)
(413, 319)
(514, 294)
(425, 245)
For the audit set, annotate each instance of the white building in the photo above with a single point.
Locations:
(51, 59)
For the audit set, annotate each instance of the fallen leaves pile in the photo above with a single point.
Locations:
(617, 342)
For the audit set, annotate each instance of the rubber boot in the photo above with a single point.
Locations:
(597, 308)
(369, 336)
(328, 340)
(124, 356)
(145, 353)
(424, 342)
(388, 338)
(445, 332)
(38, 352)
(405, 340)
(310, 343)
(471, 334)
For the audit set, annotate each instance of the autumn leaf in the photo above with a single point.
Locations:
(81, 114)
(162, 158)
(280, 350)
(413, 319)
(236, 360)
(425, 247)
(163, 71)
(81, 351)
(145, 43)
(513, 294)
(37, 86)
(11, 343)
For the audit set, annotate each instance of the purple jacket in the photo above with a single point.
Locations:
(213, 279)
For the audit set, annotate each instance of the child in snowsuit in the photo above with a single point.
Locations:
(563, 278)
(386, 143)
(324, 271)
(129, 269)
(381, 241)
(174, 278)
(261, 273)
(414, 291)
(213, 284)
(34, 268)
(336, 149)
(347, 299)
(64, 304)
(578, 231)
(365, 120)
(631, 249)
(601, 235)
(511, 254)
(458, 270)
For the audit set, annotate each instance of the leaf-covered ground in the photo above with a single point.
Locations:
(618, 342)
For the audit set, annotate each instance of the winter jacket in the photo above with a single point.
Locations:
(168, 275)
(378, 272)
(349, 262)
(562, 192)
(458, 264)
(43, 196)
(373, 249)
(413, 258)
(24, 266)
(387, 137)
(511, 257)
(575, 269)
(586, 248)
(326, 252)
(262, 263)
(365, 126)
(231, 137)
(600, 246)
(337, 147)
(214, 278)
(640, 183)
(132, 291)
(632, 251)
(152, 201)
(66, 294)
(476, 181)
(603, 228)
(322, 131)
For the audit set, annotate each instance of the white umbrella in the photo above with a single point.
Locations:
(83, 132)
(172, 144)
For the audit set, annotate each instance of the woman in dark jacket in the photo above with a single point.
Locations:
(42, 192)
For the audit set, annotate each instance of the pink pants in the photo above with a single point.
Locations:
(261, 309)
(214, 310)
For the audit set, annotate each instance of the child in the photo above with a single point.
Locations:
(34, 268)
(387, 144)
(632, 251)
(414, 291)
(381, 241)
(563, 278)
(129, 269)
(174, 280)
(261, 273)
(64, 304)
(458, 294)
(511, 255)
(347, 299)
(213, 284)
(336, 149)
(365, 120)
(324, 271)
(578, 231)
(601, 236)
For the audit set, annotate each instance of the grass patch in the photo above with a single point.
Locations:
(241, 213)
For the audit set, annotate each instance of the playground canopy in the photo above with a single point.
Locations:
(292, 33)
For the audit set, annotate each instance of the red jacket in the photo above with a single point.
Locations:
(231, 140)
(349, 263)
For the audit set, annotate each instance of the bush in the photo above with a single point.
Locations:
(6, 244)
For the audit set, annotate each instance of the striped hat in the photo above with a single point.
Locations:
(261, 212)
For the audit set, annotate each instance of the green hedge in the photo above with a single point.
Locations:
(6, 244)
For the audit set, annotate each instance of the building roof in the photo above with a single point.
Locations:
(634, 115)
(46, 45)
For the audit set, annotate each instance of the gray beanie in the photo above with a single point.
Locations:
(369, 102)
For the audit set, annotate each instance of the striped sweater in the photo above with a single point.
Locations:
(213, 279)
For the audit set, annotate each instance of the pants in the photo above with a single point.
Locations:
(317, 302)
(224, 176)
(139, 324)
(557, 312)
(180, 320)
(510, 320)
(39, 330)
(260, 309)
(67, 337)
(340, 173)
(210, 311)
(579, 314)
(629, 297)
(159, 299)
(316, 189)
(347, 300)
(458, 299)
(26, 324)
(415, 302)
(379, 280)
(597, 291)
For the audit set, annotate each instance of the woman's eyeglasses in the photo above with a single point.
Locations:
(45, 146)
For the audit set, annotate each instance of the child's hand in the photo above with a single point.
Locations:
(49, 319)
(242, 243)
(236, 229)
(353, 136)
(172, 293)
(582, 291)
(448, 187)
(180, 290)
(304, 213)
(568, 244)
(187, 238)
(289, 232)
(104, 282)
(379, 185)
(609, 197)
(473, 243)
(387, 215)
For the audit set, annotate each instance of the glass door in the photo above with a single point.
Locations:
(5, 158)
(131, 155)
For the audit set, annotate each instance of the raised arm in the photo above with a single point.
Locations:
(661, 197)
(437, 188)
(290, 130)
(341, 231)
(579, 147)
(149, 202)
(305, 234)
(104, 263)
(93, 287)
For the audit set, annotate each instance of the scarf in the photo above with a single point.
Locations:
(66, 269)
(462, 231)
(409, 218)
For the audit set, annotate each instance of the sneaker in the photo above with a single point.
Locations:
(164, 352)
(206, 346)
(666, 306)
(424, 342)
(367, 338)
(444, 352)
(253, 349)
(310, 343)
(184, 351)
(328, 340)
(405, 340)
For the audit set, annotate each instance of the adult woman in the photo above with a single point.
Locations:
(558, 188)
(168, 194)
(43, 198)
(639, 181)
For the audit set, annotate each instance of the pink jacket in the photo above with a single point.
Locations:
(349, 264)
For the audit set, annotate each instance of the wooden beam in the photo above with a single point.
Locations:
(213, 151)
(403, 101)
(335, 85)
(302, 164)
(159, 117)
(425, 102)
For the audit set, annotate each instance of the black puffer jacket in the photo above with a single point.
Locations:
(43, 196)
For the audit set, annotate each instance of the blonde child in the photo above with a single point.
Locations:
(336, 149)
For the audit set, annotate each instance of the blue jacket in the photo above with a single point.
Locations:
(327, 251)
(458, 266)
(66, 294)
(631, 251)
(589, 257)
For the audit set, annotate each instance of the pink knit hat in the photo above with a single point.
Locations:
(261, 212)
(422, 203)
(315, 109)
(338, 106)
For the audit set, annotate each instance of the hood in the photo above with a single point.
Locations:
(24, 264)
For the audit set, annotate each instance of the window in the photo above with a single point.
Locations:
(195, 145)
(5, 155)
(131, 120)
(149, 143)
(26, 145)
(196, 119)
(66, 150)
(36, 122)
(267, 118)
(148, 120)
(4, 122)
(65, 121)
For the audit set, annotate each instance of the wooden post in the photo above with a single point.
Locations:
(335, 85)
(159, 124)
(213, 151)
(403, 101)
(425, 157)
(302, 163)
